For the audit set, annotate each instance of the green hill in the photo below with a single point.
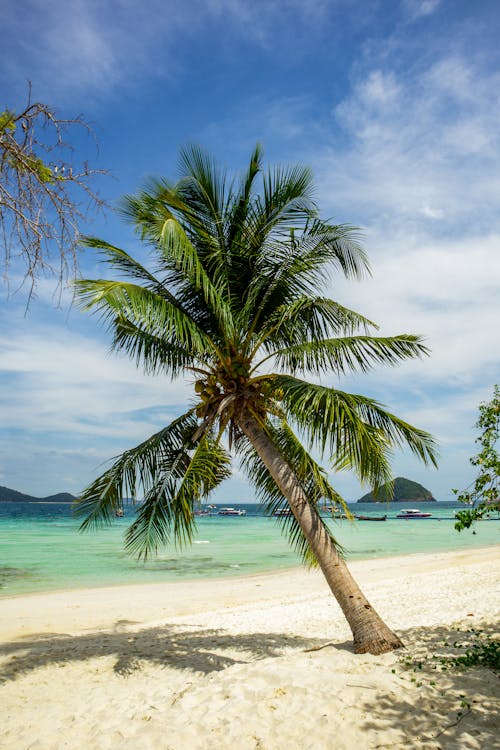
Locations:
(404, 491)
(13, 496)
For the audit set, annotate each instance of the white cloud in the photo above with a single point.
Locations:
(420, 8)
(427, 181)
(421, 174)
(69, 383)
(379, 89)
(87, 47)
(413, 136)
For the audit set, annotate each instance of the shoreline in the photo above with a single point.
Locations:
(190, 596)
(236, 577)
(239, 577)
(259, 662)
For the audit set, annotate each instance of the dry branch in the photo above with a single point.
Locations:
(44, 192)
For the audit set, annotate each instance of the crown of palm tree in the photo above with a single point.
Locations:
(233, 300)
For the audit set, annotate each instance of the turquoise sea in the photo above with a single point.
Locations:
(41, 548)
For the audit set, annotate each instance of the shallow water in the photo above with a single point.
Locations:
(41, 548)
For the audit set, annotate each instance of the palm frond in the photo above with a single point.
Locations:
(172, 473)
(239, 201)
(315, 251)
(348, 354)
(154, 354)
(118, 259)
(299, 264)
(307, 319)
(350, 426)
(287, 196)
(176, 245)
(143, 308)
(286, 200)
(150, 207)
(167, 510)
(135, 468)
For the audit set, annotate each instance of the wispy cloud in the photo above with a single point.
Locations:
(84, 47)
(70, 383)
(91, 47)
(422, 146)
(420, 8)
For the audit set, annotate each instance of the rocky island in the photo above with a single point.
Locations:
(13, 496)
(403, 491)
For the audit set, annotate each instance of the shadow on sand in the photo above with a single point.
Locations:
(202, 651)
(440, 706)
(429, 708)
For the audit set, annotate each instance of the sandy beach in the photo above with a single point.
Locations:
(255, 663)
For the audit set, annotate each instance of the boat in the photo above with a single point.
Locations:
(280, 512)
(335, 511)
(232, 512)
(371, 518)
(119, 512)
(413, 513)
(207, 510)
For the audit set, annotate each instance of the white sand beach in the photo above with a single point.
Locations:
(256, 663)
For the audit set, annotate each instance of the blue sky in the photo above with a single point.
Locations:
(395, 106)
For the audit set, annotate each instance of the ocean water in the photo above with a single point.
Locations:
(41, 548)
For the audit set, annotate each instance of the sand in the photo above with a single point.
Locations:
(257, 663)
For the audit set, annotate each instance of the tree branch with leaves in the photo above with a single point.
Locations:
(484, 496)
(45, 193)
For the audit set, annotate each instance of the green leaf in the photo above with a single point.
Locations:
(172, 474)
(354, 428)
(348, 354)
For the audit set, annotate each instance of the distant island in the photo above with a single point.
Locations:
(13, 496)
(404, 491)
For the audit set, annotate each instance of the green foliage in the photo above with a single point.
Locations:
(480, 650)
(473, 648)
(7, 121)
(44, 172)
(174, 473)
(484, 496)
(236, 283)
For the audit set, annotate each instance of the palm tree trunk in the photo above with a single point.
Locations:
(370, 633)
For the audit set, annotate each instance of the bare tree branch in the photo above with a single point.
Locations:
(44, 192)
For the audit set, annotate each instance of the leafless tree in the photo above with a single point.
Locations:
(44, 192)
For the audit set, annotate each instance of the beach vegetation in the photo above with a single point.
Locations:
(483, 496)
(465, 648)
(234, 299)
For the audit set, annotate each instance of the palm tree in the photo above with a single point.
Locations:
(233, 302)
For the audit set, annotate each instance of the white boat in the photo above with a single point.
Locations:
(207, 510)
(413, 513)
(232, 512)
(280, 512)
